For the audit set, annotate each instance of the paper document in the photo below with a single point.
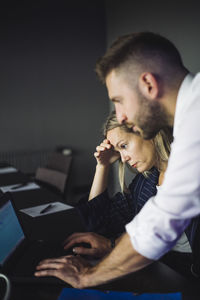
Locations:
(18, 187)
(7, 170)
(45, 209)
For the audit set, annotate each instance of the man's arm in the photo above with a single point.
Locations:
(77, 272)
(124, 259)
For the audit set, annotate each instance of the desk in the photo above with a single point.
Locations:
(52, 227)
(157, 278)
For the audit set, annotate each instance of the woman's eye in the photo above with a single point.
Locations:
(123, 146)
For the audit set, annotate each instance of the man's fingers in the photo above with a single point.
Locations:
(73, 236)
(48, 272)
(85, 251)
(70, 244)
(82, 250)
(49, 265)
(61, 259)
(78, 240)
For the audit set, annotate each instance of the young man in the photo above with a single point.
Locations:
(151, 89)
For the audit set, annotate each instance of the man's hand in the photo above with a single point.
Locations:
(70, 269)
(80, 274)
(100, 246)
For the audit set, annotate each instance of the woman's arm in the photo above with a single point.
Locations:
(105, 155)
(100, 181)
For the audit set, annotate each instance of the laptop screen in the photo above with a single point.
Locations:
(11, 233)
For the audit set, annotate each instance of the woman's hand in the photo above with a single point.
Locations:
(105, 154)
(99, 245)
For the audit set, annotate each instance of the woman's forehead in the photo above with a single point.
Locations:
(117, 134)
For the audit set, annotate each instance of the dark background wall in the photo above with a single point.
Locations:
(177, 20)
(49, 92)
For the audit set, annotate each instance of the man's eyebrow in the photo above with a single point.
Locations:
(114, 100)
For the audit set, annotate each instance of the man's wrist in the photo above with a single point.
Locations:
(86, 280)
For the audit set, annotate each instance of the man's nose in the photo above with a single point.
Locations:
(121, 117)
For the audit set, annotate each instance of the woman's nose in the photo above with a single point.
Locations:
(124, 157)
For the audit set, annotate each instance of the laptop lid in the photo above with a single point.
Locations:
(11, 232)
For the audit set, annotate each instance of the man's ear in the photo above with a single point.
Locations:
(148, 86)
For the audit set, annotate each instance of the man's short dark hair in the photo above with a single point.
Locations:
(141, 48)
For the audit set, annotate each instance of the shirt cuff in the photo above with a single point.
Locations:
(140, 245)
(152, 232)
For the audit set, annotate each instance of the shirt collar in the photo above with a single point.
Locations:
(182, 99)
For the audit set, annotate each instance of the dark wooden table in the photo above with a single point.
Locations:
(156, 278)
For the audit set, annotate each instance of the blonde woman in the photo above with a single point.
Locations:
(108, 215)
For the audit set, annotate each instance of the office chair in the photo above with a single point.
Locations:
(55, 174)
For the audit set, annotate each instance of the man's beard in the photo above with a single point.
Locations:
(151, 117)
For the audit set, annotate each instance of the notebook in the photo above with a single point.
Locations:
(18, 255)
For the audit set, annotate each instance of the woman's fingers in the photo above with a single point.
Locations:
(103, 147)
(96, 154)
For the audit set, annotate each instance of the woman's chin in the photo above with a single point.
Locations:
(141, 169)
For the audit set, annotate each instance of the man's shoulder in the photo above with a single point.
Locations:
(196, 82)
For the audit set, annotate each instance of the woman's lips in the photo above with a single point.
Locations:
(135, 165)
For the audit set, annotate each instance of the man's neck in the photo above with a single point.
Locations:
(171, 99)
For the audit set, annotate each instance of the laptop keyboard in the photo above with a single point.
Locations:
(38, 251)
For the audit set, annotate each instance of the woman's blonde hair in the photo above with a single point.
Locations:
(161, 142)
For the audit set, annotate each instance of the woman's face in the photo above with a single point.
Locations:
(134, 150)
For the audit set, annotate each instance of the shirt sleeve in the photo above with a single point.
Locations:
(155, 230)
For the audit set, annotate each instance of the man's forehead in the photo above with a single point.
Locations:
(115, 86)
(113, 78)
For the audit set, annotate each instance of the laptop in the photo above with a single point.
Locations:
(18, 255)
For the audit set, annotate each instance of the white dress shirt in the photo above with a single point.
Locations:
(182, 245)
(162, 220)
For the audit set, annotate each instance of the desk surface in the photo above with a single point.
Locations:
(156, 278)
